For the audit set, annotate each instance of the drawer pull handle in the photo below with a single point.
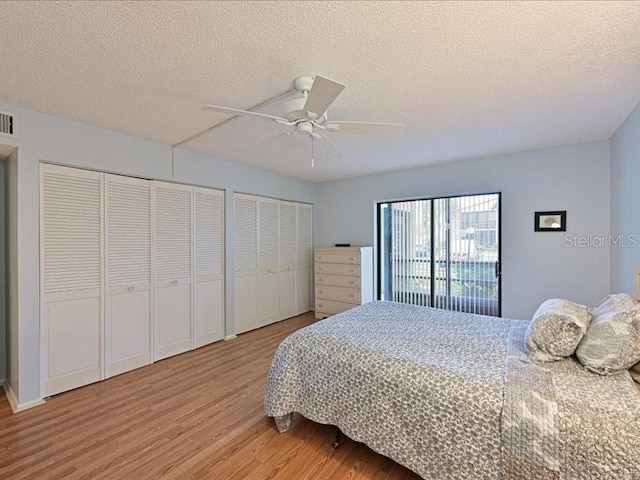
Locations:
(131, 288)
(352, 295)
(320, 291)
(321, 305)
(352, 259)
(352, 271)
(352, 282)
(174, 282)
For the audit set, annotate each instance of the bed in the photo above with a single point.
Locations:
(452, 396)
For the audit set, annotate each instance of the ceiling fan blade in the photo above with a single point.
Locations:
(365, 128)
(246, 113)
(322, 94)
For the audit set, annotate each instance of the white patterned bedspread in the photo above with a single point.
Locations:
(448, 395)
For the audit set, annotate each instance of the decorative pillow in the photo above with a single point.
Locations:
(616, 302)
(612, 342)
(556, 329)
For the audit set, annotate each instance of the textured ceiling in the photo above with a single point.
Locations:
(467, 79)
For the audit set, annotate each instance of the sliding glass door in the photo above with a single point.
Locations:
(441, 252)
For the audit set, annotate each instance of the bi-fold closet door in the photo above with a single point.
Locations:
(189, 267)
(132, 271)
(128, 305)
(287, 276)
(245, 266)
(304, 246)
(173, 255)
(268, 234)
(72, 276)
(208, 266)
(273, 260)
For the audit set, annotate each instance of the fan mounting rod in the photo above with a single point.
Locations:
(303, 84)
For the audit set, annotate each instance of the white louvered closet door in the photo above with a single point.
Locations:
(173, 262)
(287, 261)
(245, 269)
(128, 274)
(305, 258)
(267, 261)
(209, 265)
(72, 276)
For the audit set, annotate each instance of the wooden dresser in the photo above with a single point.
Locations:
(343, 279)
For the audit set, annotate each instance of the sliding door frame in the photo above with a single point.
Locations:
(378, 237)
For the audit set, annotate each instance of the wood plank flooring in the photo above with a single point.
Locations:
(195, 416)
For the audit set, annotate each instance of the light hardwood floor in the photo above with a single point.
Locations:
(195, 416)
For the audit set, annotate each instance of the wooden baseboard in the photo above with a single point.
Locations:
(230, 337)
(17, 407)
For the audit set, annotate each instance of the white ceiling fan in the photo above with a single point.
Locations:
(307, 113)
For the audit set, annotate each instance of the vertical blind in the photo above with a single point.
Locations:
(441, 252)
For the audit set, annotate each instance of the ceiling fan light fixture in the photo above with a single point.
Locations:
(305, 128)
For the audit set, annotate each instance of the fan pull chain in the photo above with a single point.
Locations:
(312, 154)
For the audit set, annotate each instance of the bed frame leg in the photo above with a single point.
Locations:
(336, 443)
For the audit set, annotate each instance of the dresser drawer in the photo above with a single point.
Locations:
(338, 280)
(338, 257)
(337, 269)
(331, 308)
(338, 294)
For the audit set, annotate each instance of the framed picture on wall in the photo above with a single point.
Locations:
(550, 221)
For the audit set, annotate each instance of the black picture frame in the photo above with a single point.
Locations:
(547, 221)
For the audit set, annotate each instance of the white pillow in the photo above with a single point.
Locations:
(556, 329)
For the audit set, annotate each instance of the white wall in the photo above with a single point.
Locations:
(625, 203)
(535, 266)
(51, 139)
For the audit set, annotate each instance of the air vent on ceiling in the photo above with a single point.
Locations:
(8, 124)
